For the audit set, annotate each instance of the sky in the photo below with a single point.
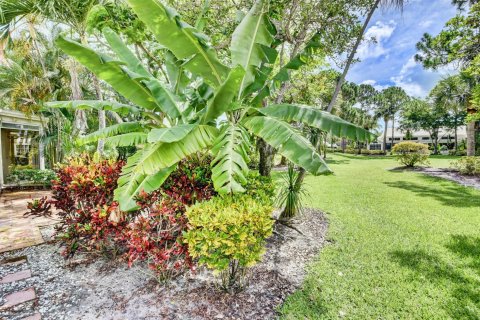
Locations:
(389, 61)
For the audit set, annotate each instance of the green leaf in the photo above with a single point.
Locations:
(229, 167)
(251, 41)
(127, 139)
(224, 95)
(322, 120)
(114, 130)
(126, 83)
(132, 182)
(301, 59)
(161, 155)
(170, 134)
(120, 108)
(183, 40)
(124, 53)
(289, 143)
(164, 98)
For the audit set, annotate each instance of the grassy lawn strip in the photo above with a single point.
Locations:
(404, 245)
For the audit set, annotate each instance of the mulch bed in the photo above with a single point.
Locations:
(452, 175)
(106, 289)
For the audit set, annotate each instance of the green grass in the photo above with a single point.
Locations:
(402, 245)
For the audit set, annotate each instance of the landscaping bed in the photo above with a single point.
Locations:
(453, 175)
(85, 288)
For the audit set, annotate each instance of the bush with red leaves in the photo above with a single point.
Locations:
(92, 222)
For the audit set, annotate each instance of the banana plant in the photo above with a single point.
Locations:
(206, 104)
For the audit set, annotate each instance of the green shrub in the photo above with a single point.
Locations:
(260, 188)
(228, 235)
(467, 165)
(292, 193)
(411, 153)
(35, 176)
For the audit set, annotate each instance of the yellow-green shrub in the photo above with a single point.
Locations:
(468, 165)
(411, 153)
(228, 235)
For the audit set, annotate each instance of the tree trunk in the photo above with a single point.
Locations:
(393, 132)
(283, 161)
(471, 138)
(456, 135)
(101, 116)
(266, 158)
(385, 136)
(80, 121)
(351, 56)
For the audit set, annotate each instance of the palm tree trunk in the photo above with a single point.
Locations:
(351, 56)
(393, 132)
(471, 138)
(101, 116)
(266, 158)
(80, 121)
(456, 135)
(385, 136)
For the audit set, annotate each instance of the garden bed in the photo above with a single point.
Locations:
(452, 175)
(109, 290)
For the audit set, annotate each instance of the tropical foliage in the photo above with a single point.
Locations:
(206, 105)
(411, 153)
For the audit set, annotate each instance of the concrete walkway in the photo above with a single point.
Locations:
(17, 231)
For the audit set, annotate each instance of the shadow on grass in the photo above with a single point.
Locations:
(447, 192)
(463, 288)
(338, 161)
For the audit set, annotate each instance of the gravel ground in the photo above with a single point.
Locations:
(100, 289)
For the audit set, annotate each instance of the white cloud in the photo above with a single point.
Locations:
(404, 79)
(375, 37)
(374, 83)
(425, 24)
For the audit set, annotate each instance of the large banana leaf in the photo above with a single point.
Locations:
(251, 42)
(164, 98)
(120, 108)
(161, 155)
(224, 95)
(126, 83)
(124, 53)
(229, 167)
(289, 143)
(131, 182)
(172, 134)
(322, 120)
(111, 131)
(185, 42)
(127, 139)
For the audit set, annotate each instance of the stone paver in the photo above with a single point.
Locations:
(36, 316)
(18, 297)
(17, 276)
(17, 231)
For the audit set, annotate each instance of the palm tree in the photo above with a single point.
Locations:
(389, 102)
(373, 8)
(463, 4)
(452, 93)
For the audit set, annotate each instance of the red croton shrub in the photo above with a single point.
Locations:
(92, 222)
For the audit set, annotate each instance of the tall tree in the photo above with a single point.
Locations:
(458, 43)
(376, 4)
(452, 93)
(424, 115)
(389, 102)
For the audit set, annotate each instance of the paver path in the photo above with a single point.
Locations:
(17, 231)
(18, 299)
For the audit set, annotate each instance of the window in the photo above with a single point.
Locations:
(425, 138)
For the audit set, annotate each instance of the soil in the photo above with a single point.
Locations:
(88, 288)
(449, 174)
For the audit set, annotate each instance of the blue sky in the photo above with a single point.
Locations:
(389, 61)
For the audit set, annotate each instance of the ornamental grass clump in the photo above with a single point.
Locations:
(411, 154)
(228, 236)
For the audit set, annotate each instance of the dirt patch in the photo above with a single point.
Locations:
(110, 290)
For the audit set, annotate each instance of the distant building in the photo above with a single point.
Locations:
(446, 137)
(19, 144)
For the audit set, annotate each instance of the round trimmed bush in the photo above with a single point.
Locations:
(411, 153)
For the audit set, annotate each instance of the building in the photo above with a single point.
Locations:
(446, 137)
(19, 144)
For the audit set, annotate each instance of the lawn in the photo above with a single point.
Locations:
(402, 245)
